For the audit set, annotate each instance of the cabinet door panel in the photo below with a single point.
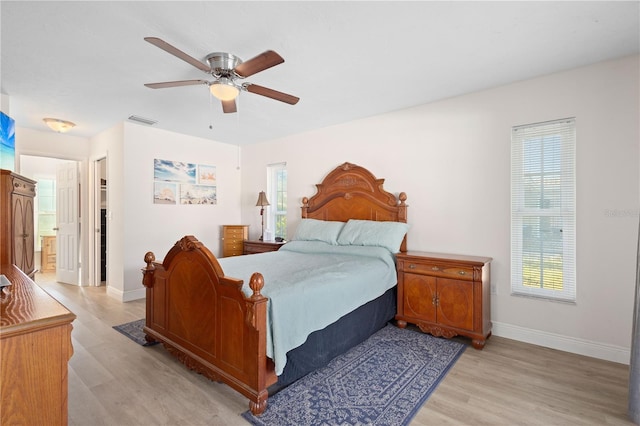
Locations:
(29, 241)
(23, 241)
(419, 296)
(18, 232)
(455, 303)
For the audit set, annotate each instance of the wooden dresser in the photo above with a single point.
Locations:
(17, 242)
(233, 237)
(35, 348)
(48, 254)
(253, 247)
(445, 295)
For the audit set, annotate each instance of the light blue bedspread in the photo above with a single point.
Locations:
(311, 284)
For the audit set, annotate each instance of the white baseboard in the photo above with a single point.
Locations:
(114, 292)
(136, 294)
(563, 343)
(126, 296)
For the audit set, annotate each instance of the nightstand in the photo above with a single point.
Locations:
(445, 295)
(253, 247)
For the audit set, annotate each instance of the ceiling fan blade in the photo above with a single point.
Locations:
(261, 62)
(273, 94)
(175, 83)
(229, 106)
(178, 53)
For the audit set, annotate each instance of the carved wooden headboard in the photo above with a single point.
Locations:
(353, 192)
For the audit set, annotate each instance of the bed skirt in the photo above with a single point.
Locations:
(323, 345)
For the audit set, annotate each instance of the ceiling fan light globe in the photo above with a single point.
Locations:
(224, 91)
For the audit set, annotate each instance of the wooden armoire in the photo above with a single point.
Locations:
(17, 240)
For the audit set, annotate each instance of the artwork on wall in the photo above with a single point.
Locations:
(177, 182)
(197, 194)
(7, 142)
(164, 193)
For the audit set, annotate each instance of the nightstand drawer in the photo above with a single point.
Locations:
(437, 270)
(255, 247)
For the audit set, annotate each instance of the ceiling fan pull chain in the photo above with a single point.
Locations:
(210, 111)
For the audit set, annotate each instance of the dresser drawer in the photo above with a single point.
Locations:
(235, 230)
(235, 233)
(233, 245)
(232, 241)
(437, 269)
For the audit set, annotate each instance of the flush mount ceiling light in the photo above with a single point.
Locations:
(57, 125)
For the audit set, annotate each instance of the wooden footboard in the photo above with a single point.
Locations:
(204, 319)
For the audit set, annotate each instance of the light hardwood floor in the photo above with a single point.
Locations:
(113, 381)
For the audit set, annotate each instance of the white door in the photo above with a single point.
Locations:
(67, 223)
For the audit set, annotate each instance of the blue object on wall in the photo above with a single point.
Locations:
(7, 142)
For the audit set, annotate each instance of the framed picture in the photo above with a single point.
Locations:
(197, 194)
(177, 182)
(174, 171)
(165, 192)
(207, 175)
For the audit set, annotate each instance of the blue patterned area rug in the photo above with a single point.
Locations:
(383, 381)
(133, 330)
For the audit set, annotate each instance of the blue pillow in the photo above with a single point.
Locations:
(372, 233)
(318, 230)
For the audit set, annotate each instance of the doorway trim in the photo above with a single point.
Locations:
(83, 193)
(100, 201)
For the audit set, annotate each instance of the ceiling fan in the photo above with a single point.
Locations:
(227, 71)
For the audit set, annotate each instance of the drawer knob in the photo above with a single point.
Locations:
(435, 268)
(461, 272)
(412, 266)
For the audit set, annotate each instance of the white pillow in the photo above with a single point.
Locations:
(373, 233)
(318, 230)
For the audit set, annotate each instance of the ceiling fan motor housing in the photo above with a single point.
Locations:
(222, 64)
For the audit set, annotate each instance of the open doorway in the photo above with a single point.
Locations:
(56, 249)
(100, 214)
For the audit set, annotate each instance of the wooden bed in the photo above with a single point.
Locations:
(203, 318)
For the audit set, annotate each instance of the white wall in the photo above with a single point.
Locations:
(452, 158)
(5, 104)
(109, 144)
(136, 225)
(46, 143)
(155, 227)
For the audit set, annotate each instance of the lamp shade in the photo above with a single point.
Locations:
(262, 199)
(224, 90)
(58, 125)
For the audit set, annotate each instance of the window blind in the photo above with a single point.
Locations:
(277, 195)
(543, 237)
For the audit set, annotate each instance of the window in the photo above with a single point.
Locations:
(46, 209)
(277, 196)
(543, 210)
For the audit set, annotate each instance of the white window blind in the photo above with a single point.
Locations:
(543, 223)
(277, 196)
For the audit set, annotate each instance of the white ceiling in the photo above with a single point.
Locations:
(87, 62)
